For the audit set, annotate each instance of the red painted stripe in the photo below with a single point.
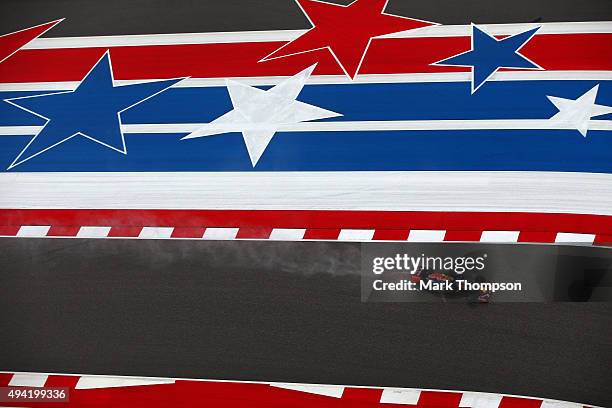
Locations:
(537, 236)
(5, 379)
(9, 43)
(517, 402)
(124, 231)
(317, 219)
(9, 230)
(603, 240)
(462, 235)
(63, 231)
(390, 235)
(188, 232)
(62, 381)
(254, 233)
(406, 55)
(439, 399)
(370, 395)
(317, 233)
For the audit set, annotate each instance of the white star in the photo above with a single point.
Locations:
(579, 112)
(258, 114)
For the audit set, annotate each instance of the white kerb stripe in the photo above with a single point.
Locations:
(499, 236)
(334, 391)
(400, 396)
(87, 382)
(287, 234)
(30, 231)
(93, 232)
(480, 400)
(572, 238)
(220, 233)
(426, 235)
(156, 232)
(28, 380)
(355, 235)
(559, 404)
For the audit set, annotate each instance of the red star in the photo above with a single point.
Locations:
(12, 42)
(346, 31)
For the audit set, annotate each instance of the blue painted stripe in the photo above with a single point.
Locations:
(555, 150)
(404, 101)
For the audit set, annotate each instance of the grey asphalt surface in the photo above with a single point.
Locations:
(275, 311)
(113, 17)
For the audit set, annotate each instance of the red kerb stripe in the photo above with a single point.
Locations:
(321, 233)
(254, 233)
(124, 231)
(9, 230)
(462, 235)
(517, 402)
(188, 232)
(537, 236)
(390, 235)
(63, 231)
(439, 399)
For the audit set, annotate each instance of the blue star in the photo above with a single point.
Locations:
(488, 54)
(93, 111)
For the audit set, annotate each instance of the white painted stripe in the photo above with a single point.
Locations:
(334, 391)
(429, 77)
(560, 404)
(587, 27)
(156, 232)
(571, 238)
(546, 192)
(399, 125)
(346, 126)
(400, 396)
(28, 380)
(19, 130)
(499, 236)
(90, 382)
(426, 235)
(33, 231)
(289, 35)
(38, 86)
(391, 125)
(287, 234)
(220, 233)
(480, 400)
(93, 232)
(356, 235)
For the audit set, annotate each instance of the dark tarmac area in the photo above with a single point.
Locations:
(280, 311)
(115, 17)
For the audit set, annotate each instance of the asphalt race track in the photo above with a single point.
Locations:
(114, 17)
(286, 312)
